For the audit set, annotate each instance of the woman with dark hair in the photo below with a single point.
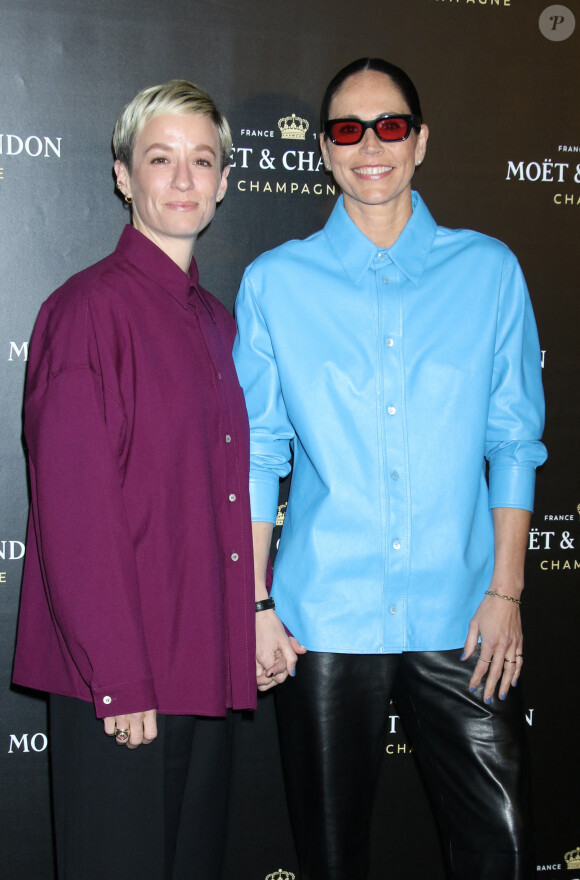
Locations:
(400, 566)
(137, 611)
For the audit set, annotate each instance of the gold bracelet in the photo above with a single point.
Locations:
(501, 596)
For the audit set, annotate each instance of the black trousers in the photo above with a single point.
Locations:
(333, 721)
(158, 812)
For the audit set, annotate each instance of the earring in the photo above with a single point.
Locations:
(128, 200)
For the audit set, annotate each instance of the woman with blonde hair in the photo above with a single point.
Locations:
(137, 613)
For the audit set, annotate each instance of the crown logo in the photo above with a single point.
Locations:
(293, 127)
(280, 522)
(572, 859)
(281, 875)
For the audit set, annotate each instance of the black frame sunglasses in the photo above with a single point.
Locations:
(384, 131)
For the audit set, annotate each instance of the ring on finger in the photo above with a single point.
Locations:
(519, 655)
(479, 657)
(122, 734)
(507, 660)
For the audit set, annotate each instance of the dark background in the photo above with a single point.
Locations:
(494, 91)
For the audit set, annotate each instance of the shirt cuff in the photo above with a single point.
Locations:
(512, 487)
(264, 498)
(124, 699)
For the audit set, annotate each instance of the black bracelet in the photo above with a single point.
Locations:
(266, 604)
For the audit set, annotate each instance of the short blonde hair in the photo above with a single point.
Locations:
(177, 96)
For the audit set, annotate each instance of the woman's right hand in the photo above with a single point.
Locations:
(134, 730)
(276, 651)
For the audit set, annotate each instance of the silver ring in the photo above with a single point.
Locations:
(479, 657)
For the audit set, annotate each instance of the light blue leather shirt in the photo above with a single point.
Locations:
(393, 375)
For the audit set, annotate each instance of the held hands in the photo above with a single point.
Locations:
(133, 730)
(276, 652)
(498, 623)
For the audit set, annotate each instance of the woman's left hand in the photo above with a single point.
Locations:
(134, 730)
(498, 623)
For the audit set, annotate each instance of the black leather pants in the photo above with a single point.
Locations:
(333, 720)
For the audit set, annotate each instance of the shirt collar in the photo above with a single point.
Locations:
(356, 252)
(149, 259)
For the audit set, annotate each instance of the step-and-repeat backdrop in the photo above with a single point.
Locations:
(499, 82)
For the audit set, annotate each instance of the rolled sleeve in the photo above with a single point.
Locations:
(516, 411)
(513, 486)
(264, 498)
(271, 432)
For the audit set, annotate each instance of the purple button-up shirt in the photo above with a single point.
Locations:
(138, 581)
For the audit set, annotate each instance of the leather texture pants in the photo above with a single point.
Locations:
(333, 722)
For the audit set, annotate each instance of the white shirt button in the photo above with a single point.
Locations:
(396, 544)
(235, 557)
(395, 475)
(393, 609)
(228, 438)
(232, 497)
(107, 700)
(391, 410)
(390, 341)
(382, 256)
(219, 375)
